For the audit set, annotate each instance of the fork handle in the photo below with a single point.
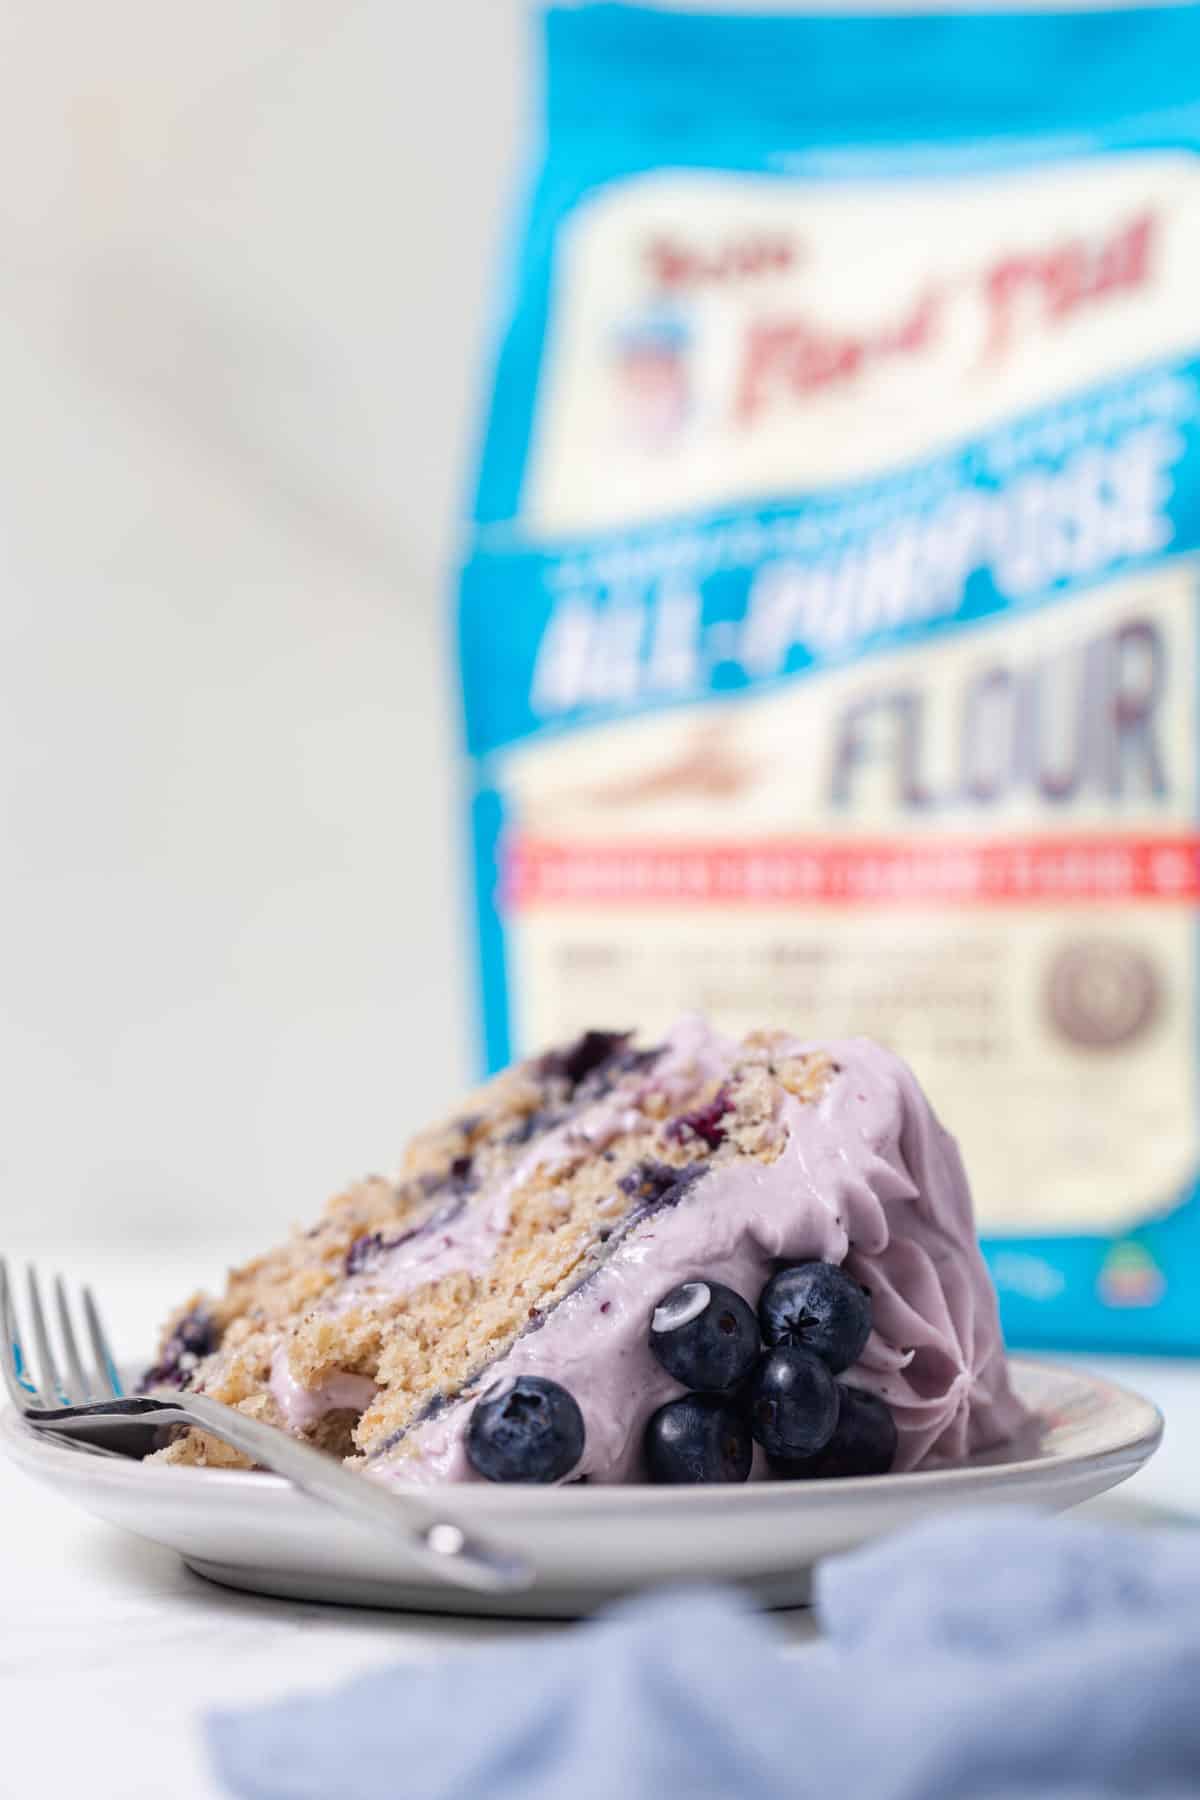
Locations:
(438, 1544)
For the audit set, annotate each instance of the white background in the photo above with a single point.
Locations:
(242, 253)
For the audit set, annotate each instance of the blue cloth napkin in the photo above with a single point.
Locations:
(992, 1657)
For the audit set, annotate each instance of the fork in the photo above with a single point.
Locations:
(92, 1410)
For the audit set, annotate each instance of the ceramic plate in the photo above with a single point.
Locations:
(589, 1544)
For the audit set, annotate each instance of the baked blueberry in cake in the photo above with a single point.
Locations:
(687, 1261)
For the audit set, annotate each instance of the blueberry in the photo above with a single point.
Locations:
(698, 1438)
(704, 1122)
(863, 1442)
(705, 1336)
(655, 1185)
(793, 1402)
(194, 1337)
(365, 1253)
(573, 1063)
(820, 1307)
(525, 1428)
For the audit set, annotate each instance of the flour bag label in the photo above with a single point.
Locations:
(828, 614)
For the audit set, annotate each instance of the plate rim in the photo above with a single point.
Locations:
(32, 1450)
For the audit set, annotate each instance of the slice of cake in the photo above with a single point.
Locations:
(692, 1260)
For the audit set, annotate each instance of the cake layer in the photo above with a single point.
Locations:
(535, 1234)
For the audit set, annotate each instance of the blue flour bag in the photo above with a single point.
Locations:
(829, 610)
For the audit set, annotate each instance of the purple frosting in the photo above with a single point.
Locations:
(865, 1175)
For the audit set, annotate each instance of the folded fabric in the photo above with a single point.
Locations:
(994, 1656)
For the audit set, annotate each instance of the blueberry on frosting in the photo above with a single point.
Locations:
(525, 1428)
(699, 1438)
(793, 1402)
(705, 1335)
(864, 1442)
(819, 1307)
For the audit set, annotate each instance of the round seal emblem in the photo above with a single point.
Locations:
(1102, 994)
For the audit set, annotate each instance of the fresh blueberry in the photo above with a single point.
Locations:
(705, 1336)
(820, 1307)
(863, 1442)
(525, 1428)
(698, 1438)
(793, 1402)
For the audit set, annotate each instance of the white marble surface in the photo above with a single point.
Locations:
(102, 1630)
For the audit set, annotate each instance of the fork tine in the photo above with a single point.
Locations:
(80, 1385)
(22, 1388)
(41, 1337)
(106, 1364)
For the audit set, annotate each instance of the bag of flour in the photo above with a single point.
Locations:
(828, 620)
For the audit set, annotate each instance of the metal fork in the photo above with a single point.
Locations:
(91, 1409)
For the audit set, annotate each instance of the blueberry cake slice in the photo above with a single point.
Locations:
(693, 1260)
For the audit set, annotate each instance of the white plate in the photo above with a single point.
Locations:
(590, 1544)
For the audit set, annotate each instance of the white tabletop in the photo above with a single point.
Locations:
(102, 1629)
